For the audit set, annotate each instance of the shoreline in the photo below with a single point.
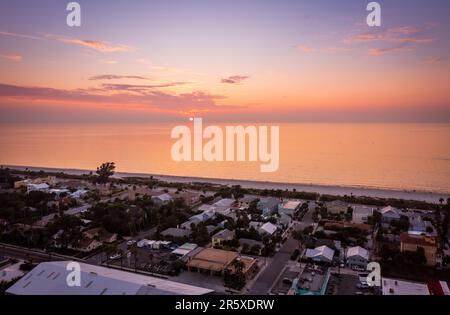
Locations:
(431, 197)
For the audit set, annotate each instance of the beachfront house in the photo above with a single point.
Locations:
(268, 206)
(337, 207)
(162, 199)
(289, 207)
(389, 214)
(246, 201)
(361, 214)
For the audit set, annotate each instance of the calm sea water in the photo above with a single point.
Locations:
(392, 156)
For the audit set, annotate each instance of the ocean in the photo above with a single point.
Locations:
(384, 156)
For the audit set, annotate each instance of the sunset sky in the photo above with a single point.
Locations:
(233, 60)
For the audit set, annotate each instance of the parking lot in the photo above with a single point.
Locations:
(346, 284)
(160, 261)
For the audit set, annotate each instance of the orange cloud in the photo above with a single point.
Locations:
(13, 57)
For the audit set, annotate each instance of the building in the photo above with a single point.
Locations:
(176, 233)
(417, 224)
(403, 287)
(38, 187)
(357, 257)
(337, 207)
(411, 242)
(361, 214)
(246, 201)
(101, 235)
(389, 214)
(320, 254)
(285, 219)
(162, 199)
(50, 278)
(49, 180)
(311, 281)
(185, 249)
(85, 245)
(227, 202)
(222, 236)
(267, 229)
(439, 287)
(268, 206)
(250, 245)
(216, 261)
(289, 207)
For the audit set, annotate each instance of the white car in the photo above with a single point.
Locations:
(362, 285)
(115, 256)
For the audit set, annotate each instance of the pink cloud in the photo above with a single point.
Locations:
(403, 34)
(12, 57)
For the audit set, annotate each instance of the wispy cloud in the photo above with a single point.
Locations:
(394, 39)
(109, 62)
(145, 96)
(386, 50)
(10, 34)
(12, 57)
(116, 77)
(97, 45)
(326, 50)
(402, 34)
(234, 79)
(434, 60)
(139, 88)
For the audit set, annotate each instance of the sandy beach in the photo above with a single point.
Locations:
(431, 197)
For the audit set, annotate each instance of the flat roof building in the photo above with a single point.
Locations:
(49, 278)
(403, 287)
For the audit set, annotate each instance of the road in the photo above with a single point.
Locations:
(266, 279)
(35, 256)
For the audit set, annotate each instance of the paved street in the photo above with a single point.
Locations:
(266, 279)
(36, 256)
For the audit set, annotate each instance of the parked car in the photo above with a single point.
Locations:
(362, 285)
(115, 256)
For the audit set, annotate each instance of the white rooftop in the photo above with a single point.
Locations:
(403, 287)
(321, 251)
(227, 202)
(291, 204)
(164, 197)
(390, 211)
(358, 251)
(268, 228)
(49, 278)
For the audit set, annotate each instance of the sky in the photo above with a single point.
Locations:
(233, 60)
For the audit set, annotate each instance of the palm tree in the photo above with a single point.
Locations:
(121, 252)
(238, 265)
(109, 249)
